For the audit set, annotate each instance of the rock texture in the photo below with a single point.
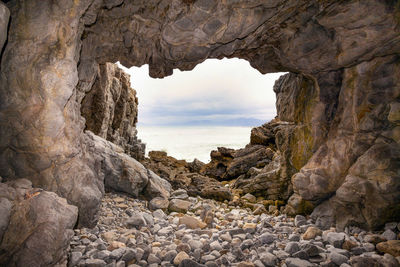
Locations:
(35, 225)
(4, 18)
(184, 175)
(110, 109)
(345, 55)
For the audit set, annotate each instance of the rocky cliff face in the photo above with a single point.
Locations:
(344, 133)
(111, 108)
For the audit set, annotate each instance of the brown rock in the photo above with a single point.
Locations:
(179, 205)
(311, 233)
(192, 222)
(349, 244)
(391, 246)
(159, 203)
(180, 257)
(115, 245)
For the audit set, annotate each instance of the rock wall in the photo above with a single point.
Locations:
(111, 109)
(347, 50)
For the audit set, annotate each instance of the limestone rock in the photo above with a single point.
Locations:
(192, 222)
(4, 18)
(110, 109)
(39, 230)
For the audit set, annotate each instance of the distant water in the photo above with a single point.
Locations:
(189, 143)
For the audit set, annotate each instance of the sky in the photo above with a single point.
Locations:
(227, 92)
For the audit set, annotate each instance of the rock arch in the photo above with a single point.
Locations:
(343, 55)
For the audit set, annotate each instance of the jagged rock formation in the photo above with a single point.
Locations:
(110, 109)
(184, 175)
(346, 56)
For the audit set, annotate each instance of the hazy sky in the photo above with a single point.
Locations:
(226, 92)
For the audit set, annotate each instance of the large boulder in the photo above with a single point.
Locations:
(4, 18)
(123, 173)
(39, 226)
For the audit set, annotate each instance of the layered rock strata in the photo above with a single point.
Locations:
(110, 109)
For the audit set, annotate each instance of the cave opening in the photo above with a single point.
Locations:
(191, 113)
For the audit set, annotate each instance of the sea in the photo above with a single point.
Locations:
(192, 142)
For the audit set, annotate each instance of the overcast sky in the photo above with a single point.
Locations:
(226, 92)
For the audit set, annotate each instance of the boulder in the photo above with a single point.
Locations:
(179, 205)
(39, 229)
(391, 246)
(4, 17)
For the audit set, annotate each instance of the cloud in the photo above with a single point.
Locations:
(216, 92)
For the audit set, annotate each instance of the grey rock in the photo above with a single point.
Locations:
(151, 259)
(302, 254)
(158, 203)
(299, 220)
(336, 239)
(295, 262)
(136, 220)
(190, 263)
(169, 256)
(4, 18)
(292, 247)
(5, 211)
(74, 258)
(337, 258)
(117, 253)
(179, 205)
(267, 238)
(95, 263)
(389, 235)
(129, 255)
(268, 259)
(391, 226)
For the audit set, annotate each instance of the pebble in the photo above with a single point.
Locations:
(197, 232)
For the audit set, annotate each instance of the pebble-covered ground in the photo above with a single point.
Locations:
(202, 232)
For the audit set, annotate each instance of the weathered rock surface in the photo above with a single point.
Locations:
(181, 175)
(110, 109)
(38, 226)
(4, 18)
(123, 173)
(345, 55)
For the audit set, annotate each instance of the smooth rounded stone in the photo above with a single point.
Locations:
(194, 244)
(296, 262)
(294, 237)
(391, 226)
(311, 233)
(310, 249)
(245, 264)
(117, 253)
(180, 257)
(179, 194)
(192, 222)
(215, 246)
(226, 237)
(95, 263)
(207, 258)
(336, 239)
(267, 238)
(183, 247)
(74, 258)
(115, 245)
(389, 235)
(374, 239)
(391, 246)
(139, 254)
(169, 255)
(300, 220)
(197, 254)
(153, 259)
(248, 243)
(292, 247)
(249, 197)
(120, 264)
(268, 259)
(136, 220)
(236, 242)
(179, 205)
(159, 214)
(129, 255)
(337, 258)
(165, 231)
(102, 255)
(250, 227)
(302, 254)
(158, 203)
(281, 254)
(190, 263)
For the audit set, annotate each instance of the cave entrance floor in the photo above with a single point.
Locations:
(203, 232)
